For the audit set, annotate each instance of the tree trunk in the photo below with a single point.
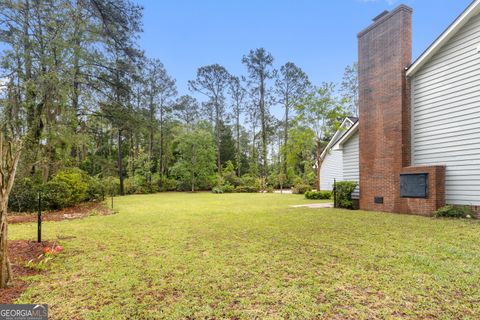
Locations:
(161, 167)
(239, 152)
(9, 157)
(119, 163)
(6, 275)
(285, 137)
(218, 136)
(319, 164)
(150, 135)
(263, 117)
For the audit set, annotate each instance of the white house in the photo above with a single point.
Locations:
(340, 158)
(419, 119)
(445, 108)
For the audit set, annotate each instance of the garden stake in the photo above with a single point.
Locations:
(334, 193)
(39, 222)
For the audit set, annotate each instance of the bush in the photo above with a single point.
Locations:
(217, 190)
(129, 186)
(24, 195)
(228, 188)
(111, 185)
(270, 189)
(344, 191)
(97, 190)
(454, 212)
(247, 189)
(318, 195)
(301, 188)
(76, 181)
(249, 184)
(56, 195)
(165, 184)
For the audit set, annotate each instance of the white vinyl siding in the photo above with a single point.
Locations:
(351, 168)
(446, 114)
(331, 169)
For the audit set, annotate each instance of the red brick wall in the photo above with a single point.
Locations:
(436, 191)
(385, 50)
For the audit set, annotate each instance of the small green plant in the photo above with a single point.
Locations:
(318, 195)
(344, 191)
(301, 188)
(450, 211)
(44, 259)
(217, 190)
(93, 213)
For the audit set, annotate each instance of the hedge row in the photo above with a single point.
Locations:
(66, 188)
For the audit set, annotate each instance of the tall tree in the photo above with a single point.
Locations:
(121, 22)
(159, 91)
(196, 157)
(187, 110)
(321, 112)
(167, 92)
(291, 85)
(12, 139)
(237, 95)
(212, 81)
(349, 89)
(259, 65)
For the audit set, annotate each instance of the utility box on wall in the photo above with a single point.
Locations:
(414, 185)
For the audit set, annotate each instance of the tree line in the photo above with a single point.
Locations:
(77, 92)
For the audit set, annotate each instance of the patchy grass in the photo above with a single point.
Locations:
(249, 256)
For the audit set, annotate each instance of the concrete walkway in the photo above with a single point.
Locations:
(315, 205)
(285, 191)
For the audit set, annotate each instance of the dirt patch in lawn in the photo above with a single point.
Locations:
(77, 212)
(21, 252)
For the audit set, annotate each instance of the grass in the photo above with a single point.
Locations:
(247, 256)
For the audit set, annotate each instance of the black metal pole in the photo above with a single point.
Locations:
(334, 193)
(39, 222)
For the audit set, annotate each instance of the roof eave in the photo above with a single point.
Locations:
(472, 10)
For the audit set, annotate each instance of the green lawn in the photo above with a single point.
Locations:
(197, 256)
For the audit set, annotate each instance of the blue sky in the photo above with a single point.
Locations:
(318, 35)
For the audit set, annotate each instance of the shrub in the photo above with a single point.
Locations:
(270, 189)
(247, 189)
(129, 186)
(318, 195)
(217, 190)
(454, 212)
(301, 188)
(165, 183)
(97, 190)
(56, 195)
(249, 184)
(228, 188)
(112, 185)
(229, 175)
(344, 191)
(76, 181)
(24, 195)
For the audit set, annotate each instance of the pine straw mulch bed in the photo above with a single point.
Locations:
(20, 253)
(77, 212)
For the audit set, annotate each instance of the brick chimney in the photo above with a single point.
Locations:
(385, 51)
